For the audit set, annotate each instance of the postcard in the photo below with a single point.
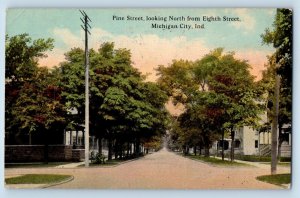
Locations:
(174, 98)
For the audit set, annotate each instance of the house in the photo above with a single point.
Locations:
(249, 141)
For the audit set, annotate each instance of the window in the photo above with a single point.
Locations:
(226, 144)
(237, 143)
(256, 143)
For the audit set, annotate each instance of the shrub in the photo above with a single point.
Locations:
(285, 159)
(99, 159)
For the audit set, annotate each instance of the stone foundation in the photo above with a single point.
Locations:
(35, 153)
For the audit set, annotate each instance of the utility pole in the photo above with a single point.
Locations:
(86, 27)
(275, 127)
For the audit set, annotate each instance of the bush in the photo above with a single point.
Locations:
(285, 159)
(92, 156)
(253, 158)
(98, 158)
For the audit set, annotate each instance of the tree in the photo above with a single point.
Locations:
(281, 37)
(39, 108)
(232, 78)
(23, 76)
(218, 93)
(123, 108)
(285, 112)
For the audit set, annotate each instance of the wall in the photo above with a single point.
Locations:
(249, 137)
(35, 153)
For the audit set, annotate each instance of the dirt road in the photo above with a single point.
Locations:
(161, 170)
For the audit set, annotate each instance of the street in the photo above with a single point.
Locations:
(161, 170)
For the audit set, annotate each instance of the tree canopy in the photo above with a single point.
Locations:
(217, 91)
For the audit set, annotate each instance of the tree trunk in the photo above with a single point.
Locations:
(280, 141)
(109, 147)
(195, 150)
(187, 150)
(200, 149)
(206, 149)
(137, 147)
(223, 144)
(46, 147)
(128, 147)
(122, 153)
(100, 145)
(232, 145)
(116, 149)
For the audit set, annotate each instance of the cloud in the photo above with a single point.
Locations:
(68, 37)
(247, 21)
(53, 58)
(148, 50)
(256, 59)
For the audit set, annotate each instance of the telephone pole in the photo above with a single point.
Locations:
(274, 147)
(86, 27)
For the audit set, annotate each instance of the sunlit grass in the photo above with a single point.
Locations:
(286, 164)
(34, 165)
(278, 179)
(37, 179)
(216, 161)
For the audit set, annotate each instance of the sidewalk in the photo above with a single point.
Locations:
(70, 165)
(256, 164)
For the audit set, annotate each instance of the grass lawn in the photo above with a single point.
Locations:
(278, 179)
(255, 158)
(34, 165)
(37, 179)
(216, 161)
(287, 164)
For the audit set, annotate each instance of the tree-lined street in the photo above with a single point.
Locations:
(100, 105)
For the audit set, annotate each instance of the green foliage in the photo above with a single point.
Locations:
(281, 37)
(37, 179)
(280, 63)
(33, 96)
(218, 93)
(216, 161)
(253, 158)
(22, 54)
(277, 179)
(154, 143)
(123, 107)
(99, 158)
(39, 104)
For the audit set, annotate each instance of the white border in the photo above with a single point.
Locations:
(294, 4)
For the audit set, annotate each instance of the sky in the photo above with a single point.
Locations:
(149, 46)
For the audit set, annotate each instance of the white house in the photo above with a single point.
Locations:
(249, 141)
